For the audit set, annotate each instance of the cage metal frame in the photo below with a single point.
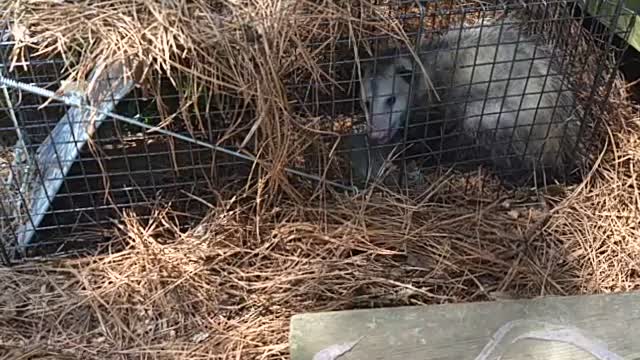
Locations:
(87, 172)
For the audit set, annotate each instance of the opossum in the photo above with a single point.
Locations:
(494, 102)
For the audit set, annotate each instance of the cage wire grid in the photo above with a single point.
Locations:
(547, 14)
(133, 169)
(558, 14)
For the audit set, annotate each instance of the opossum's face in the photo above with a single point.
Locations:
(385, 93)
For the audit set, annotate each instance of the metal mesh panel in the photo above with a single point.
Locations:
(125, 167)
(121, 167)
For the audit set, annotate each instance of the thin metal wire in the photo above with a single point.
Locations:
(405, 135)
(609, 83)
(4, 255)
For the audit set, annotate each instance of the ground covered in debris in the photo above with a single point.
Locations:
(227, 287)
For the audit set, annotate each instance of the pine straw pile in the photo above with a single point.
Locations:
(227, 287)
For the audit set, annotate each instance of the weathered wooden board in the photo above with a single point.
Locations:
(460, 331)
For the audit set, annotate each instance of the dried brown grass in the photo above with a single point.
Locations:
(227, 287)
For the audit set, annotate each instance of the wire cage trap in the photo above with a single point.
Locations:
(65, 177)
(517, 88)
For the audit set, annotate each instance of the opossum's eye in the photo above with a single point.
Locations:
(403, 73)
(391, 100)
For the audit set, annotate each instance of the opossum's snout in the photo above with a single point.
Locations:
(385, 118)
(382, 133)
(379, 136)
